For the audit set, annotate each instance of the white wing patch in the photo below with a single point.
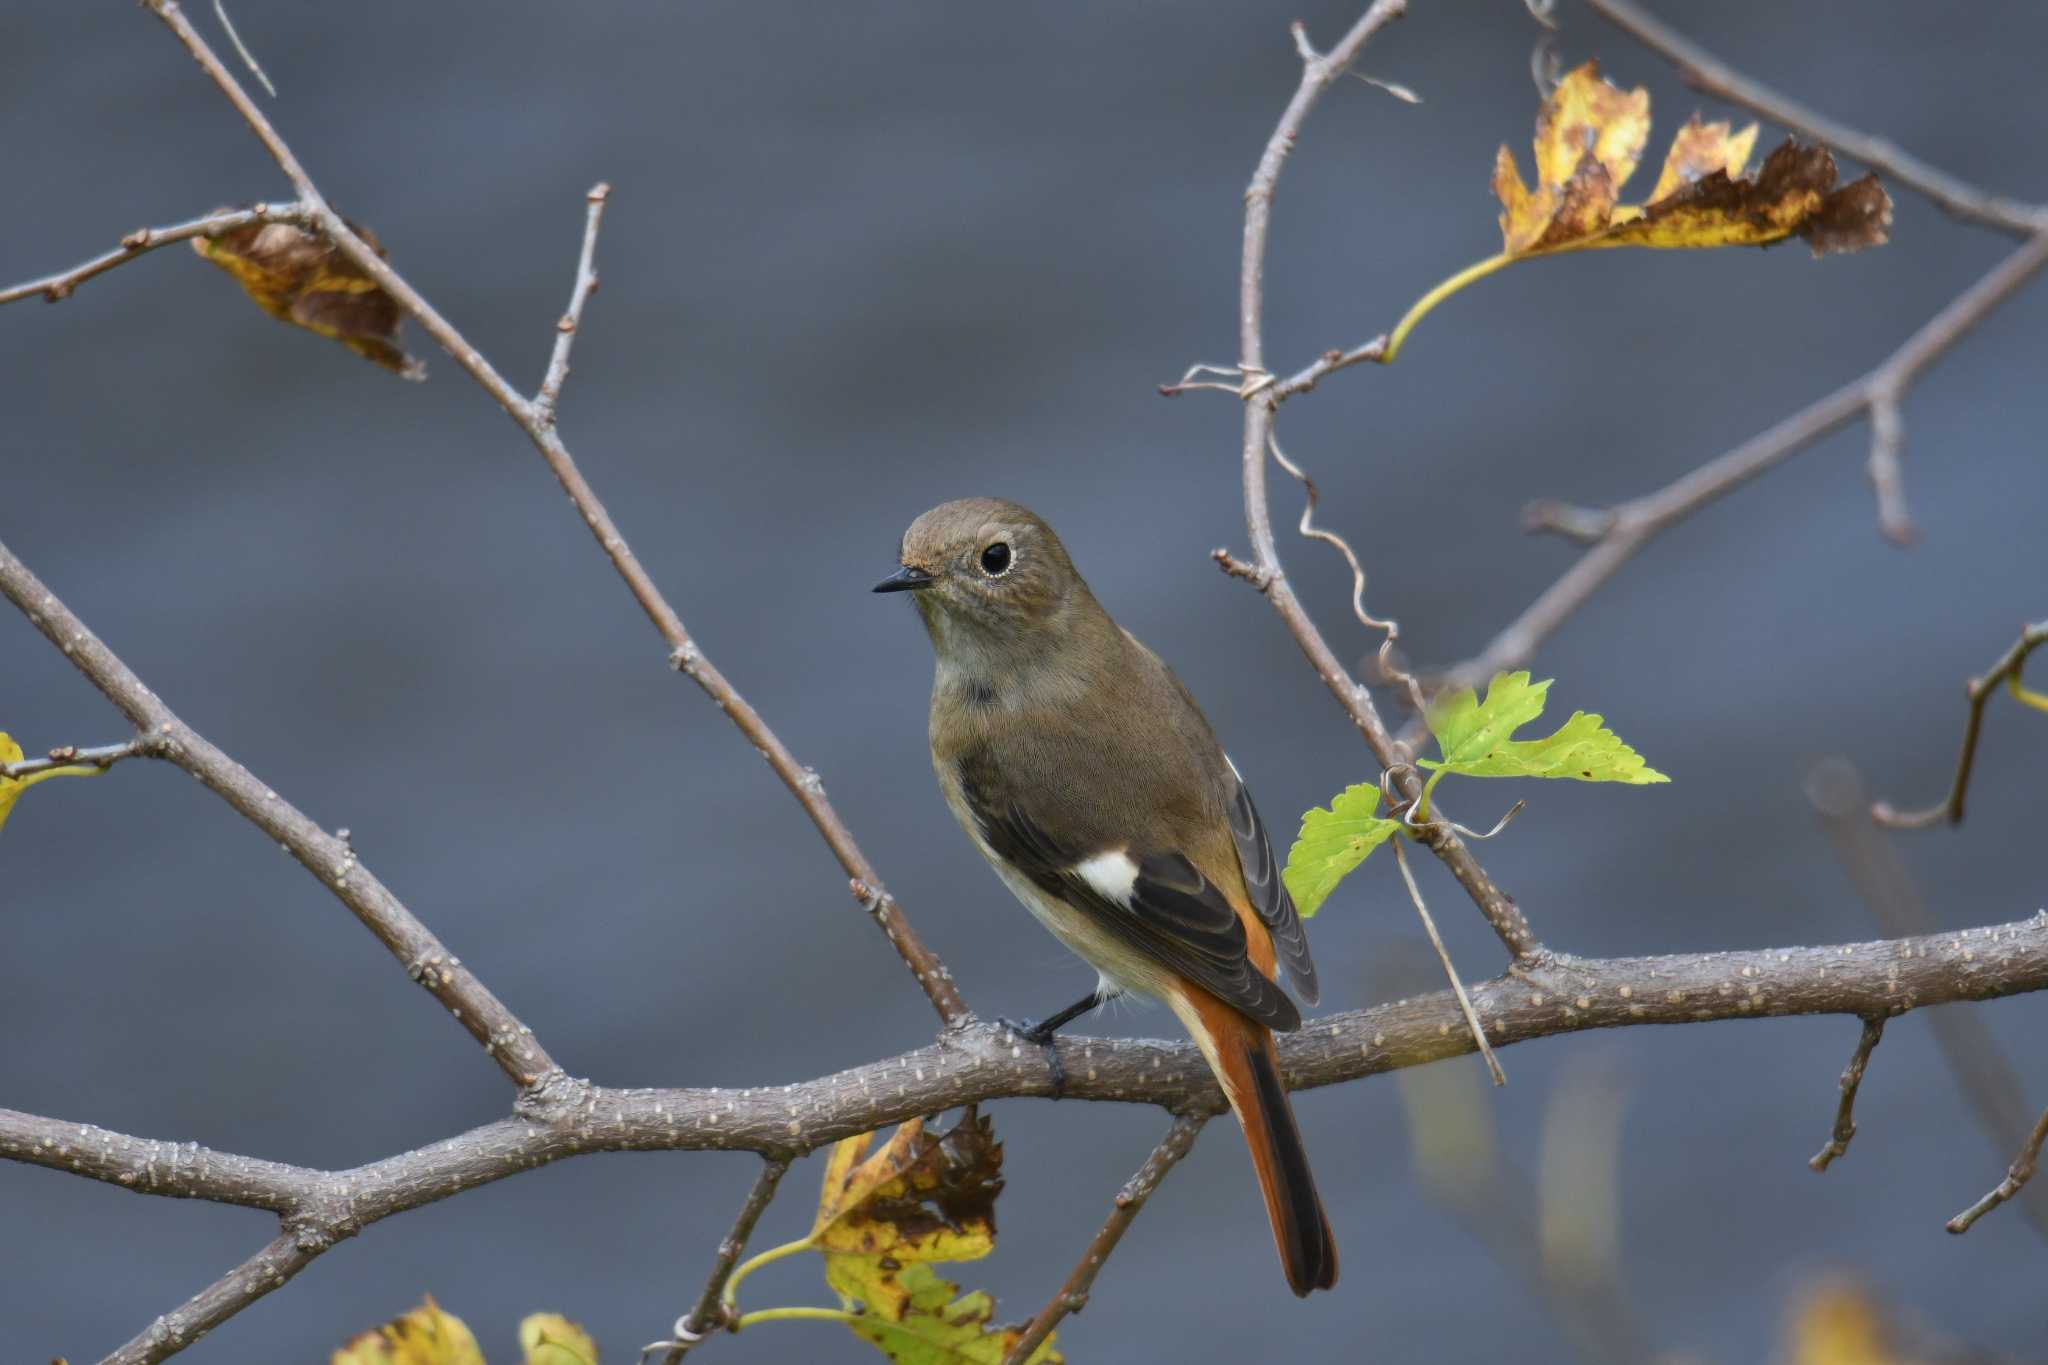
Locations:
(1113, 875)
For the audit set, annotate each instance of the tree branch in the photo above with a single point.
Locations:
(1130, 1201)
(579, 294)
(328, 857)
(1845, 1111)
(2007, 670)
(710, 1314)
(103, 757)
(1318, 72)
(144, 240)
(2016, 1178)
(1703, 72)
(563, 1118)
(537, 421)
(284, 1256)
(1618, 534)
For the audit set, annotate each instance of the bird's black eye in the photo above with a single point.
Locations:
(995, 559)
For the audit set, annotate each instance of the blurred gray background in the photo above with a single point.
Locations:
(863, 258)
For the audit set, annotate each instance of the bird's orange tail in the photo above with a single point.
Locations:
(1241, 1053)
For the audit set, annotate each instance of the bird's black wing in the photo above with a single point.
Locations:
(1176, 916)
(1268, 892)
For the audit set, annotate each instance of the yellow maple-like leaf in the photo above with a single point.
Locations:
(920, 1198)
(1590, 136)
(302, 278)
(424, 1336)
(11, 788)
(914, 1317)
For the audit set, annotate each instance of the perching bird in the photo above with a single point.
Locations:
(1088, 777)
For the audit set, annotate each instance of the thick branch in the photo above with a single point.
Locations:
(1130, 1201)
(143, 240)
(536, 419)
(1618, 534)
(563, 1118)
(1701, 70)
(328, 857)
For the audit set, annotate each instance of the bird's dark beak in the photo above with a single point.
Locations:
(905, 579)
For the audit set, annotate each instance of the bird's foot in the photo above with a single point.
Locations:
(1040, 1034)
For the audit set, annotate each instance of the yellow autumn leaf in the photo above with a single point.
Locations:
(302, 278)
(920, 1198)
(1590, 135)
(424, 1336)
(11, 788)
(1838, 1324)
(914, 1317)
(551, 1339)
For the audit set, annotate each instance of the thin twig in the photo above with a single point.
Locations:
(1701, 70)
(1443, 955)
(1887, 471)
(2016, 1177)
(1979, 1062)
(579, 294)
(2007, 670)
(1318, 72)
(220, 12)
(284, 1256)
(1072, 1296)
(144, 240)
(1845, 1111)
(71, 756)
(684, 654)
(328, 857)
(709, 1314)
(1633, 525)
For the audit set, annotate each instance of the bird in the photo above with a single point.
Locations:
(1083, 770)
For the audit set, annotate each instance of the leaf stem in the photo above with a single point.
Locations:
(795, 1314)
(754, 1263)
(1478, 270)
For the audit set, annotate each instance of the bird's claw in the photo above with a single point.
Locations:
(1037, 1034)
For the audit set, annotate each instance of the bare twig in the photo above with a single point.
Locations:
(1887, 889)
(1318, 71)
(71, 756)
(2007, 670)
(579, 294)
(2016, 1177)
(284, 1256)
(1699, 69)
(1845, 1111)
(1072, 1296)
(144, 240)
(537, 423)
(1626, 529)
(220, 12)
(328, 857)
(709, 1314)
(1887, 471)
(1472, 1024)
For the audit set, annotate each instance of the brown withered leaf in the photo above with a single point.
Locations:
(920, 1198)
(302, 278)
(1589, 137)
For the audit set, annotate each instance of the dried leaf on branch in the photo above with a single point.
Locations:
(302, 278)
(1590, 136)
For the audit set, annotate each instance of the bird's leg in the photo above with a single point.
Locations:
(1041, 1034)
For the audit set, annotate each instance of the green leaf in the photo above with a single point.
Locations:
(914, 1317)
(1475, 737)
(1332, 843)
